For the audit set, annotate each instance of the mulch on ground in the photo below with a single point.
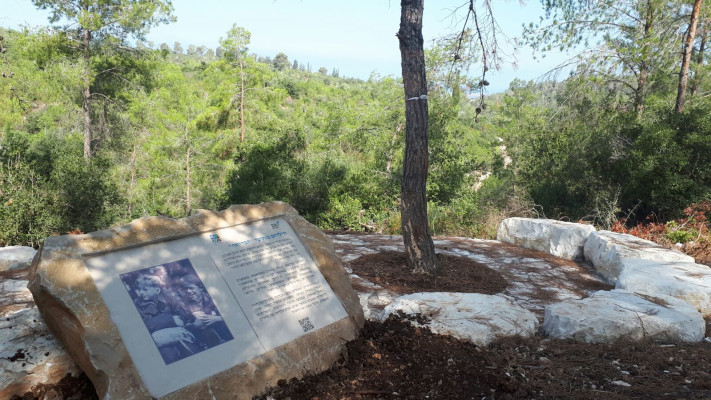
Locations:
(454, 274)
(396, 360)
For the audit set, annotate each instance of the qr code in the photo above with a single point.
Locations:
(306, 324)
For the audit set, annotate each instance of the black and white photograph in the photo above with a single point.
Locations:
(176, 309)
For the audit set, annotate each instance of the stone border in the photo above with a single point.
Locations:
(631, 263)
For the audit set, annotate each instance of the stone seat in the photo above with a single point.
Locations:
(607, 316)
(477, 317)
(558, 238)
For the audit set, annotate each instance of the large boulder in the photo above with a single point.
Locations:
(30, 357)
(610, 252)
(69, 286)
(607, 316)
(480, 318)
(558, 238)
(683, 280)
(16, 257)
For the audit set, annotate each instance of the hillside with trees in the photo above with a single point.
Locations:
(99, 129)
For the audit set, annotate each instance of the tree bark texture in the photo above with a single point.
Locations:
(132, 185)
(188, 206)
(686, 58)
(415, 230)
(700, 59)
(86, 94)
(241, 101)
(644, 63)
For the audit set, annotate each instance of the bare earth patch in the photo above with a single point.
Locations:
(454, 274)
(394, 360)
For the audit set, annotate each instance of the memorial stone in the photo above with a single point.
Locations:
(218, 305)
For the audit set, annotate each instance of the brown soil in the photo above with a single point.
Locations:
(701, 252)
(455, 274)
(69, 388)
(396, 360)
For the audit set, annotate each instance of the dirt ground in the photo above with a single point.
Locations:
(395, 360)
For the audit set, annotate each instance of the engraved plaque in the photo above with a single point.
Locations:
(191, 307)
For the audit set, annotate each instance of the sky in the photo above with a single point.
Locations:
(355, 37)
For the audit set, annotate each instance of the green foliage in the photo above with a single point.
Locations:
(167, 139)
(48, 188)
(117, 18)
(281, 62)
(677, 235)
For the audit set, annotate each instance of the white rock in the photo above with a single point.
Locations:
(684, 280)
(372, 297)
(620, 383)
(14, 292)
(477, 317)
(611, 252)
(29, 355)
(610, 315)
(381, 298)
(561, 239)
(16, 257)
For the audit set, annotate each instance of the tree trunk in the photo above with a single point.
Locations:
(86, 94)
(686, 58)
(415, 231)
(644, 64)
(187, 174)
(699, 59)
(241, 101)
(132, 185)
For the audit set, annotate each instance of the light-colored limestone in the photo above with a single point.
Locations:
(29, 354)
(558, 238)
(610, 315)
(684, 280)
(75, 312)
(477, 317)
(16, 257)
(610, 252)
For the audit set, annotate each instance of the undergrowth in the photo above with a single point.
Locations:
(689, 231)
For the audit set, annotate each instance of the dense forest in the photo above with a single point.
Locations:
(98, 130)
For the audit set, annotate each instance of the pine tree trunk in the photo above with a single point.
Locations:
(415, 231)
(86, 94)
(241, 101)
(686, 58)
(187, 175)
(133, 180)
(699, 60)
(644, 64)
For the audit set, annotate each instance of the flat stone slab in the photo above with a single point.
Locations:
(16, 257)
(610, 252)
(610, 315)
(686, 281)
(270, 278)
(29, 354)
(479, 318)
(558, 238)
